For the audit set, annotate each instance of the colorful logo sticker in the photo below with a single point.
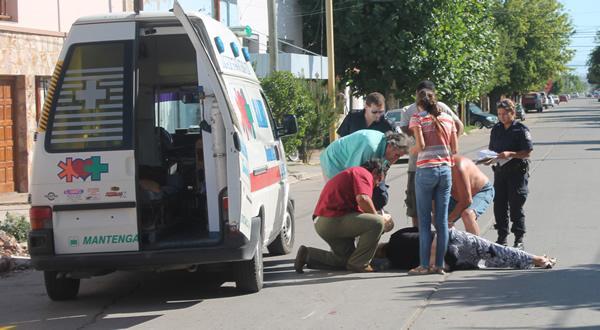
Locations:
(73, 194)
(245, 113)
(93, 194)
(82, 168)
(261, 116)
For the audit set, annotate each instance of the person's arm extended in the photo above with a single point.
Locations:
(420, 141)
(515, 154)
(453, 143)
(460, 128)
(365, 203)
(463, 195)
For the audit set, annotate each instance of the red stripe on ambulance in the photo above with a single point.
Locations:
(260, 181)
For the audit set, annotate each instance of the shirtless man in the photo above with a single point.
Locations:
(472, 193)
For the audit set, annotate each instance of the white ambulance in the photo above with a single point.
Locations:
(156, 150)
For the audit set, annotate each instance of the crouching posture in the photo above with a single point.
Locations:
(343, 213)
(465, 251)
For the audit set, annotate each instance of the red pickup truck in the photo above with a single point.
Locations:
(532, 101)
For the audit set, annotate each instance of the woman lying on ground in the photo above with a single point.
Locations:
(465, 251)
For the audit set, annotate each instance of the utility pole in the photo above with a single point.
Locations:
(217, 10)
(273, 37)
(330, 60)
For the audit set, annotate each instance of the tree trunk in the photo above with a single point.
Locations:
(494, 96)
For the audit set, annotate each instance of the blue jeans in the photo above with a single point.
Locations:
(433, 184)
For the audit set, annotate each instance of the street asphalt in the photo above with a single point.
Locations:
(562, 221)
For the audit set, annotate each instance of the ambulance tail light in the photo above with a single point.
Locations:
(231, 229)
(40, 217)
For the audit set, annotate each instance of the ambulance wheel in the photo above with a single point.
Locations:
(284, 242)
(59, 289)
(249, 274)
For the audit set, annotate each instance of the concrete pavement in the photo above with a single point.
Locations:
(562, 220)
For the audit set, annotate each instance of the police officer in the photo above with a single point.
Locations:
(512, 141)
(371, 117)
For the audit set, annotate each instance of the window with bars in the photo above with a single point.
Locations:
(92, 106)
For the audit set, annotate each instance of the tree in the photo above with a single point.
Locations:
(389, 46)
(593, 74)
(306, 99)
(534, 36)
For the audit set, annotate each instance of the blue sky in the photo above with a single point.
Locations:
(585, 16)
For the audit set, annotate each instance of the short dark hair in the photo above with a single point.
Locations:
(375, 98)
(426, 84)
(506, 104)
(380, 166)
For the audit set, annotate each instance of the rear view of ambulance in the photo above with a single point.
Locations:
(156, 150)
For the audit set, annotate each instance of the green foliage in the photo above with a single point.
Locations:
(593, 75)
(534, 35)
(568, 83)
(324, 115)
(391, 46)
(307, 100)
(16, 225)
(467, 47)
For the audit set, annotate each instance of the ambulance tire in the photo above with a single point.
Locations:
(284, 242)
(59, 289)
(249, 274)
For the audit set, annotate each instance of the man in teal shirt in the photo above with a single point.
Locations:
(359, 147)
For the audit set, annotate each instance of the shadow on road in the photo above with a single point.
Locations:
(558, 289)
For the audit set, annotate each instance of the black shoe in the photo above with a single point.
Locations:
(301, 257)
(519, 243)
(502, 240)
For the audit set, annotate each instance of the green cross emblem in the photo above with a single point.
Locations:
(96, 168)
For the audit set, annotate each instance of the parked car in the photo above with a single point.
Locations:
(394, 115)
(563, 98)
(532, 101)
(546, 101)
(479, 118)
(520, 112)
(555, 99)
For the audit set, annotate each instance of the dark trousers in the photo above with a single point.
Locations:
(511, 194)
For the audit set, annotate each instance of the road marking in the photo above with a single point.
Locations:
(304, 318)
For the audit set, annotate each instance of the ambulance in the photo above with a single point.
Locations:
(156, 150)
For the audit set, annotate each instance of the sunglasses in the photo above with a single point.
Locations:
(504, 105)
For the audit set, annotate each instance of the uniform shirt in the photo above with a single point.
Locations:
(405, 120)
(355, 121)
(352, 150)
(515, 138)
(338, 197)
(437, 144)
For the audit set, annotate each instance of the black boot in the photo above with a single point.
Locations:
(502, 239)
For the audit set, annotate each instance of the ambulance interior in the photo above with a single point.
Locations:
(171, 190)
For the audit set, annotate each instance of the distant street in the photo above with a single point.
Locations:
(562, 221)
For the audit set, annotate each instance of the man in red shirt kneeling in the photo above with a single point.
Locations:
(344, 212)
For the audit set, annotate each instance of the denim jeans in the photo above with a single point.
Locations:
(433, 184)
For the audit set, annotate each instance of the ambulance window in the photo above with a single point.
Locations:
(177, 110)
(92, 104)
(270, 114)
